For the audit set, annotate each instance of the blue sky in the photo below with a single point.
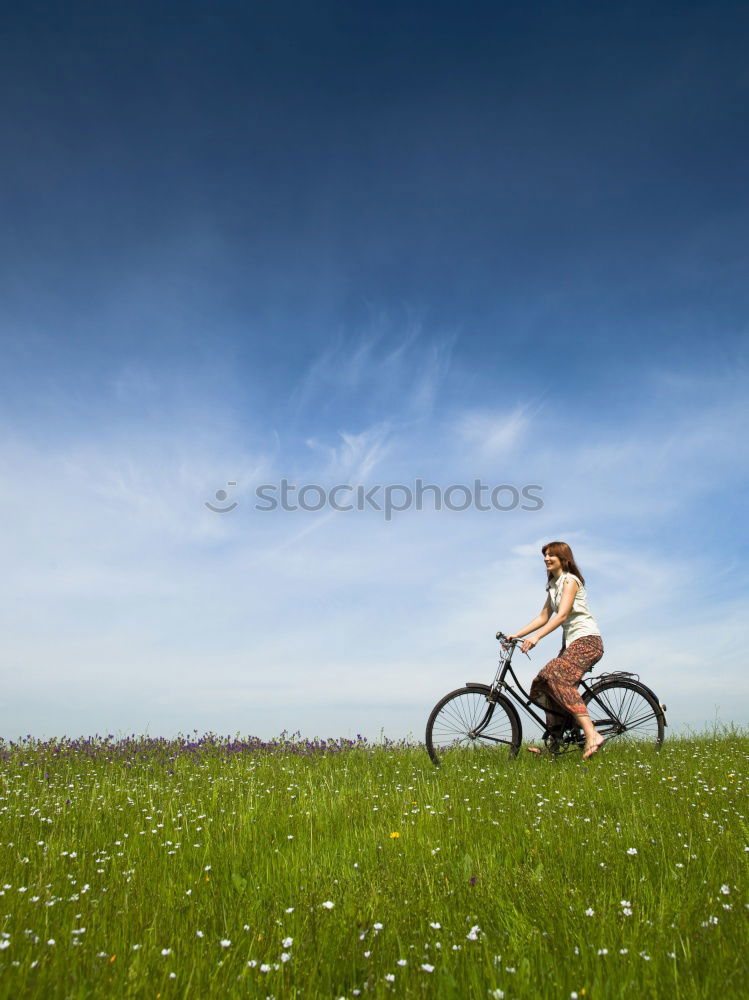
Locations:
(366, 244)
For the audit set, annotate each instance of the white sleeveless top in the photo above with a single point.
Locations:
(579, 621)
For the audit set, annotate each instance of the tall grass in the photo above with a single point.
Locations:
(212, 867)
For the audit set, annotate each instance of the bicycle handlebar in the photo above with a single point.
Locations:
(503, 638)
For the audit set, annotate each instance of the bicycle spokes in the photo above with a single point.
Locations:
(467, 719)
(625, 709)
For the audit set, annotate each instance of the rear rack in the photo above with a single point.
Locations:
(617, 674)
(612, 675)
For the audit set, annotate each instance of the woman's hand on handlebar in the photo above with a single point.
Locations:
(525, 644)
(528, 643)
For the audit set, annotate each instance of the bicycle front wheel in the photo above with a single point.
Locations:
(626, 711)
(465, 720)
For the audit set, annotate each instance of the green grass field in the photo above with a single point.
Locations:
(156, 869)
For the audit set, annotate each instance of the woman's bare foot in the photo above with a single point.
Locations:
(592, 746)
(535, 750)
(593, 739)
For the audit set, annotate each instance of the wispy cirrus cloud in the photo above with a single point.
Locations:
(492, 434)
(355, 457)
(387, 372)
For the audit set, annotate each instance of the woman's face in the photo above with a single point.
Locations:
(552, 563)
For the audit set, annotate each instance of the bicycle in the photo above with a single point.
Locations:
(620, 706)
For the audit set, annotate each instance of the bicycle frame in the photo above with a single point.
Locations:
(524, 701)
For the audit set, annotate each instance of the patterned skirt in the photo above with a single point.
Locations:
(555, 687)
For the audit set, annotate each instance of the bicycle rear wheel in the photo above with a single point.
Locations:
(626, 711)
(465, 720)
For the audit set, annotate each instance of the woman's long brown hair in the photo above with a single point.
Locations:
(564, 554)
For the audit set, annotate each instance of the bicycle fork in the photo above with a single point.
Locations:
(475, 733)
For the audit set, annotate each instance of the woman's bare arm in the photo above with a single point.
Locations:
(541, 619)
(565, 606)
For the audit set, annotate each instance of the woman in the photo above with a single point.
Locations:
(582, 646)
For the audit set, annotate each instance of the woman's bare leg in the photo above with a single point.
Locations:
(593, 739)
